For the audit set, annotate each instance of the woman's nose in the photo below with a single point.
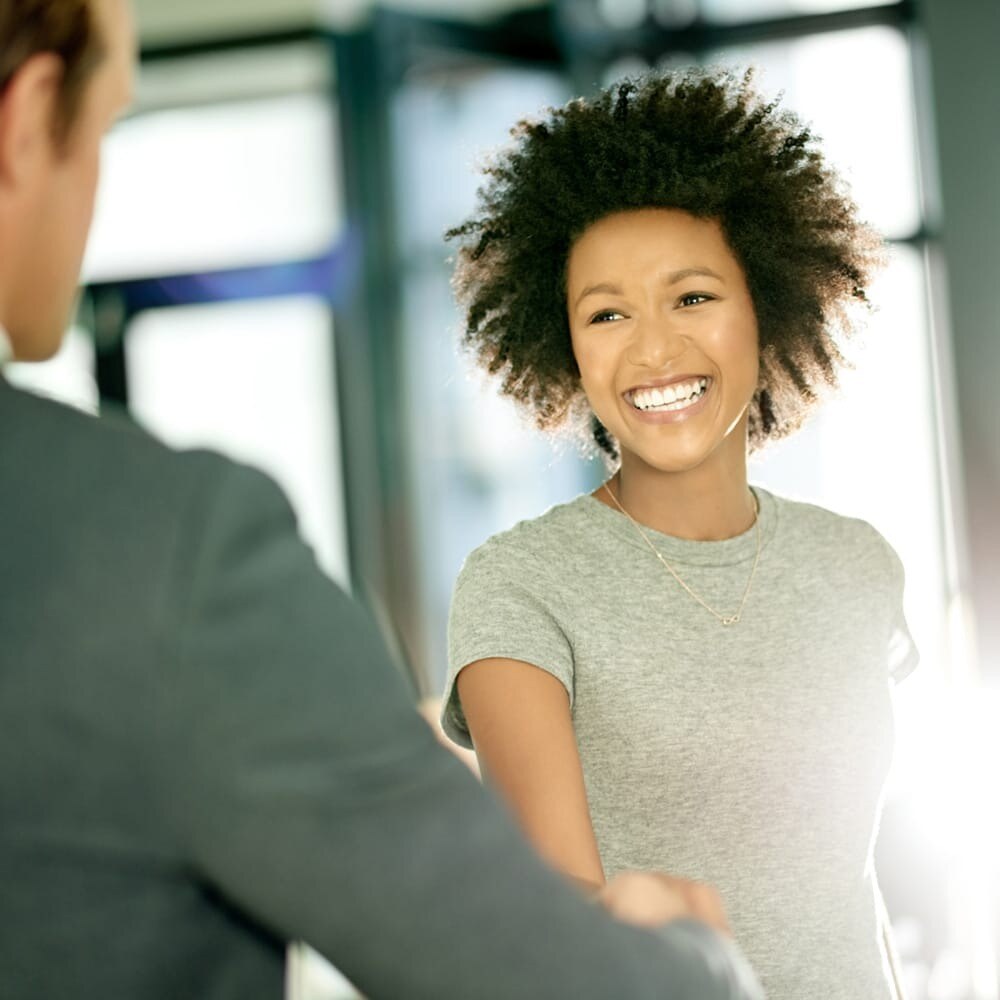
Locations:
(656, 342)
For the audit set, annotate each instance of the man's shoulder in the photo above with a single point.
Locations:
(110, 461)
(54, 429)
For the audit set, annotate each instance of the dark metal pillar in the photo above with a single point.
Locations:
(369, 340)
(962, 41)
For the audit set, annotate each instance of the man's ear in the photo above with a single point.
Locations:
(28, 108)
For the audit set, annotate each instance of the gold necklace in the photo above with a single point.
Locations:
(732, 619)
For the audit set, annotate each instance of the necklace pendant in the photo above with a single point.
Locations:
(731, 619)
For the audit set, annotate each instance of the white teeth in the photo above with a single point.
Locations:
(671, 397)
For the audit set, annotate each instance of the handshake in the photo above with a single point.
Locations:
(653, 900)
(650, 899)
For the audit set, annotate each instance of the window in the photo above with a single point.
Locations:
(854, 89)
(736, 11)
(476, 466)
(256, 382)
(220, 186)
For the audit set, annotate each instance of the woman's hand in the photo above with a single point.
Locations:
(649, 899)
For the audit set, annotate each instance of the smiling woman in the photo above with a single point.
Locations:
(679, 671)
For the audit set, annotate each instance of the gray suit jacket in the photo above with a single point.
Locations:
(206, 752)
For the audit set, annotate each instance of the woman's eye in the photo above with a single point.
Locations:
(606, 316)
(694, 299)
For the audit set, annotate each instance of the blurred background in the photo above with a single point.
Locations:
(267, 276)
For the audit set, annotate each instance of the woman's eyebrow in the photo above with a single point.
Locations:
(604, 288)
(691, 272)
(670, 279)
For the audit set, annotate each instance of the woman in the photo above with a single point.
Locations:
(679, 671)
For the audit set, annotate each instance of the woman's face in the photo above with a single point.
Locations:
(665, 337)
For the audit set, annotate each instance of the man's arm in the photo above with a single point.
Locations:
(300, 781)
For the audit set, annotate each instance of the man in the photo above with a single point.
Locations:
(206, 750)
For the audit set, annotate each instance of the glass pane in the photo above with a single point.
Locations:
(444, 124)
(734, 11)
(865, 122)
(476, 466)
(217, 187)
(256, 382)
(871, 451)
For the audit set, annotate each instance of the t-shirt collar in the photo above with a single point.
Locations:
(727, 552)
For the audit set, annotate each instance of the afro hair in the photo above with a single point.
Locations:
(702, 142)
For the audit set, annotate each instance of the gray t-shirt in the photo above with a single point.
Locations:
(749, 756)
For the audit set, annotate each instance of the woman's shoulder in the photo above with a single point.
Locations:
(810, 524)
(539, 541)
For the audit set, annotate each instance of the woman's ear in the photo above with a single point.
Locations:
(28, 106)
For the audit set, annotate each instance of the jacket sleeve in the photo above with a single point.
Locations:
(299, 782)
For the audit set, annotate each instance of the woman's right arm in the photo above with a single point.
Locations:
(520, 722)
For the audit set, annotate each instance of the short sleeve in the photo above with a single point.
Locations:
(903, 656)
(501, 608)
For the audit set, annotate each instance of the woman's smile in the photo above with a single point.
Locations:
(669, 400)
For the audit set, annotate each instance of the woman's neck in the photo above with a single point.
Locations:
(709, 503)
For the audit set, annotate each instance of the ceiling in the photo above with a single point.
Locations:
(171, 21)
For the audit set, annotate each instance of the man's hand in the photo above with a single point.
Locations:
(649, 899)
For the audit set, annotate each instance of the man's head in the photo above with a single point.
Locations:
(66, 69)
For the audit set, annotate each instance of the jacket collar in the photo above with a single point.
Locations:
(6, 351)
